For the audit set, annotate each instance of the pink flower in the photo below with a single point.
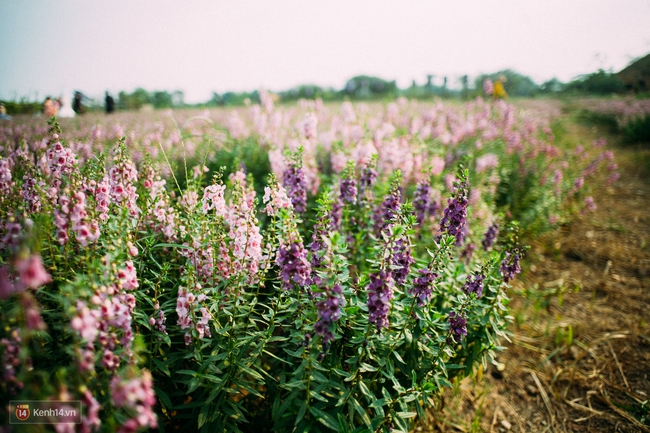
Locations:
(198, 170)
(91, 421)
(309, 125)
(486, 162)
(6, 286)
(488, 86)
(437, 165)
(33, 319)
(613, 178)
(213, 198)
(133, 251)
(591, 205)
(87, 323)
(275, 198)
(32, 273)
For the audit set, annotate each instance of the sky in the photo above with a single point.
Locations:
(199, 47)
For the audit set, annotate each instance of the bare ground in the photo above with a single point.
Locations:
(579, 360)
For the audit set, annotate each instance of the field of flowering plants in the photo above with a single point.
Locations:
(629, 116)
(294, 268)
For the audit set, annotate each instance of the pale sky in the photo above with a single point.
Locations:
(49, 47)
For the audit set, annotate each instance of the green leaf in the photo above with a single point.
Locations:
(340, 372)
(301, 413)
(343, 426)
(295, 384)
(317, 396)
(408, 336)
(162, 367)
(364, 416)
(420, 410)
(163, 397)
(212, 378)
(454, 366)
(379, 403)
(364, 389)
(193, 385)
(203, 415)
(318, 377)
(325, 418)
(350, 377)
(343, 398)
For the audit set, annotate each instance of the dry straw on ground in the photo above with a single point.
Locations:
(579, 360)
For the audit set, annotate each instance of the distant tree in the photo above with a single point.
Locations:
(162, 99)
(306, 91)
(23, 106)
(140, 97)
(598, 83)
(216, 100)
(551, 86)
(364, 86)
(133, 101)
(158, 98)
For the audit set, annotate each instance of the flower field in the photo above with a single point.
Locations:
(294, 268)
(631, 117)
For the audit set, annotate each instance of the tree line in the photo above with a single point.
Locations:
(363, 87)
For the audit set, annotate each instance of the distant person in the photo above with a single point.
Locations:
(77, 105)
(66, 106)
(499, 92)
(50, 108)
(3, 113)
(110, 104)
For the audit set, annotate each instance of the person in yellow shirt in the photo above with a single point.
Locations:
(499, 92)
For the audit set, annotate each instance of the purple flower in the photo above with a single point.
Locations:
(337, 213)
(455, 217)
(349, 190)
(316, 247)
(468, 251)
(423, 286)
(367, 180)
(387, 211)
(402, 260)
(11, 359)
(293, 180)
(294, 267)
(329, 311)
(474, 285)
(510, 266)
(490, 235)
(422, 201)
(434, 207)
(380, 292)
(578, 183)
(457, 326)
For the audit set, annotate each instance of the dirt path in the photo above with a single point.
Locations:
(579, 360)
